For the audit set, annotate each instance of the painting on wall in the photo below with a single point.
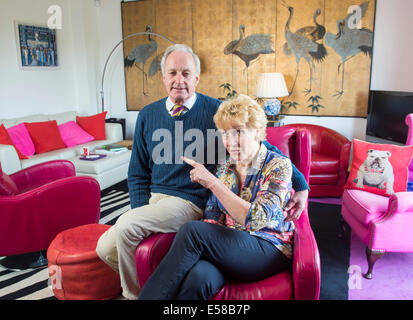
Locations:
(37, 47)
(322, 47)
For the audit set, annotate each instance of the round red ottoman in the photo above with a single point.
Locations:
(76, 272)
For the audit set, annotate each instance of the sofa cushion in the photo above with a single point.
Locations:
(59, 154)
(5, 139)
(94, 125)
(45, 135)
(379, 168)
(72, 134)
(321, 163)
(21, 139)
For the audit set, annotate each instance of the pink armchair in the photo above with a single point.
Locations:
(38, 202)
(302, 282)
(382, 223)
(409, 142)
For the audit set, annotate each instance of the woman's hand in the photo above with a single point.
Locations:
(200, 174)
(296, 205)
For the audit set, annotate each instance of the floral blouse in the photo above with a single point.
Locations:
(268, 187)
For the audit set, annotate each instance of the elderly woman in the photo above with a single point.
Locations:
(244, 235)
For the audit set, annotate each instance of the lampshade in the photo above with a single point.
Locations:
(271, 85)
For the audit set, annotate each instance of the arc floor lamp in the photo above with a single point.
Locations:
(102, 95)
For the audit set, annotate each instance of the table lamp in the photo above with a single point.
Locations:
(271, 86)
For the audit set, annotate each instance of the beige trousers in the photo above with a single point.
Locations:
(117, 246)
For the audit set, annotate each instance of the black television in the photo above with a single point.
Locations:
(387, 113)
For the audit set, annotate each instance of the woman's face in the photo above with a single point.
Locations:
(241, 142)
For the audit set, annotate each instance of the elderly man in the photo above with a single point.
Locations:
(162, 195)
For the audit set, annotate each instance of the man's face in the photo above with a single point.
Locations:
(180, 77)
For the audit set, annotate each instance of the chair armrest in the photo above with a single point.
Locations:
(31, 220)
(409, 123)
(113, 132)
(42, 173)
(150, 253)
(306, 261)
(398, 219)
(303, 152)
(401, 202)
(9, 159)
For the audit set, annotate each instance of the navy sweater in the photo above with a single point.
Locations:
(158, 144)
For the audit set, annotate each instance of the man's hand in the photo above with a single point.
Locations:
(296, 205)
(200, 174)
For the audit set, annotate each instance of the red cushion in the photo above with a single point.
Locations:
(379, 168)
(5, 139)
(76, 271)
(7, 185)
(321, 163)
(94, 125)
(45, 136)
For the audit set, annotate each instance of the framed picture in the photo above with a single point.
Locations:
(36, 46)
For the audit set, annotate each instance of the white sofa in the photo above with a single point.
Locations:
(107, 171)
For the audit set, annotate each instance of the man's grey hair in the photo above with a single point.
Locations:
(184, 48)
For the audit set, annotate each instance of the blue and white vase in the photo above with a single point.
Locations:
(272, 108)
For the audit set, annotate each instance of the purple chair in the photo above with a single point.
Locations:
(382, 223)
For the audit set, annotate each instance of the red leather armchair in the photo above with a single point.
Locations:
(330, 155)
(38, 202)
(302, 282)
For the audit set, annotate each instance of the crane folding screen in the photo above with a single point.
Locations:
(322, 47)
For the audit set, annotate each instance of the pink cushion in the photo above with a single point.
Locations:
(21, 139)
(367, 205)
(72, 134)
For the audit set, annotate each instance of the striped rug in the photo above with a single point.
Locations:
(32, 284)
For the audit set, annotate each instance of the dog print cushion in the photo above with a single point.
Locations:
(379, 168)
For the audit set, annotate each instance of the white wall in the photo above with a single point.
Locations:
(90, 32)
(392, 68)
(110, 26)
(69, 87)
(347, 126)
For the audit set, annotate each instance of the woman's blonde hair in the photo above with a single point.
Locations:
(241, 110)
